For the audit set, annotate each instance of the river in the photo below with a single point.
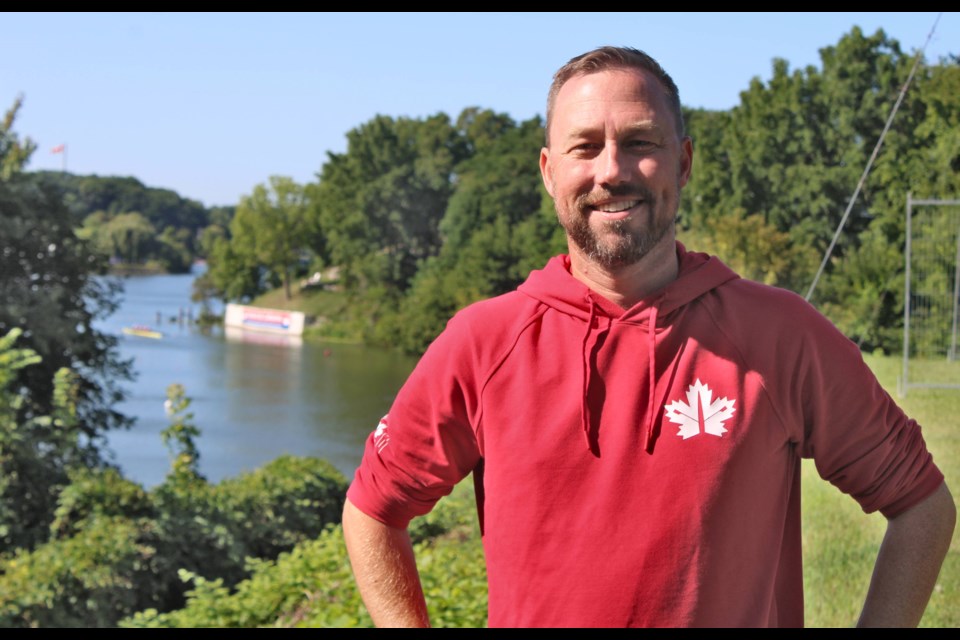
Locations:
(254, 397)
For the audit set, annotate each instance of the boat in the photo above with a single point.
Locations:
(142, 331)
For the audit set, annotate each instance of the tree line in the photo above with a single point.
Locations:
(421, 216)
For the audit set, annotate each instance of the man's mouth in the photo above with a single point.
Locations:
(616, 210)
(618, 206)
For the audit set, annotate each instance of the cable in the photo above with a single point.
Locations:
(873, 156)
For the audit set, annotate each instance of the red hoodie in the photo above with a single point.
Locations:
(608, 501)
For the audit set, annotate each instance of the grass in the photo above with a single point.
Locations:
(841, 542)
(330, 315)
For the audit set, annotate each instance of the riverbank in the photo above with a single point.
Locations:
(329, 316)
(149, 269)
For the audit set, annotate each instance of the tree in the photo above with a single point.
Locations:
(499, 225)
(35, 453)
(379, 204)
(50, 289)
(792, 154)
(14, 152)
(270, 228)
(177, 222)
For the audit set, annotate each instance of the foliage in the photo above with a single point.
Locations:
(791, 155)
(91, 579)
(312, 585)
(495, 229)
(270, 228)
(380, 203)
(231, 275)
(49, 289)
(102, 204)
(753, 248)
(109, 548)
(14, 152)
(36, 453)
(98, 493)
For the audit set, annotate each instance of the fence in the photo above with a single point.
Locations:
(931, 295)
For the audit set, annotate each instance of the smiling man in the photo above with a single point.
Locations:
(635, 413)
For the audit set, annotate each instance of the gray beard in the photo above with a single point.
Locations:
(625, 249)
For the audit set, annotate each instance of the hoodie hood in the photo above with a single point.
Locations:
(554, 286)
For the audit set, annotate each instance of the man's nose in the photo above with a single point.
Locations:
(613, 165)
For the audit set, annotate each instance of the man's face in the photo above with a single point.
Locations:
(615, 165)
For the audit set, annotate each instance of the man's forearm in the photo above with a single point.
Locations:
(909, 561)
(385, 570)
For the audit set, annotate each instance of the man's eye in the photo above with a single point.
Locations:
(586, 148)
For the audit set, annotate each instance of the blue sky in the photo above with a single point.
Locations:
(212, 104)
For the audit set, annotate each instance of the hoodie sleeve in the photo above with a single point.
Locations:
(859, 438)
(426, 443)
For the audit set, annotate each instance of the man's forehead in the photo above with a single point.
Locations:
(630, 100)
(610, 86)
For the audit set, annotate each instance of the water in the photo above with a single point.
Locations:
(254, 396)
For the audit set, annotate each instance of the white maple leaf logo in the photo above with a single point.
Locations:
(701, 413)
(380, 436)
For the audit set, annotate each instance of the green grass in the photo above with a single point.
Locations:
(330, 315)
(841, 542)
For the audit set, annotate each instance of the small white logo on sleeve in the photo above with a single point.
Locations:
(380, 437)
(700, 413)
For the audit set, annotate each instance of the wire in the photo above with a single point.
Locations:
(873, 156)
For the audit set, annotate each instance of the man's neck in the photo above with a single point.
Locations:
(628, 285)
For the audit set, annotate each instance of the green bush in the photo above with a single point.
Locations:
(313, 586)
(92, 579)
(289, 500)
(98, 492)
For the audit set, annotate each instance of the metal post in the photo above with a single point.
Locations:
(906, 299)
(952, 355)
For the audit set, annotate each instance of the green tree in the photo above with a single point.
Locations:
(231, 274)
(380, 203)
(35, 453)
(131, 236)
(14, 152)
(270, 228)
(794, 148)
(178, 221)
(499, 225)
(50, 287)
(792, 154)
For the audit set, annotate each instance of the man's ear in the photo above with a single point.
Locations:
(545, 172)
(686, 160)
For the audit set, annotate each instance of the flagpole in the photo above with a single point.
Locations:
(62, 150)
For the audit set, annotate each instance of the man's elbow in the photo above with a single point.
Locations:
(934, 516)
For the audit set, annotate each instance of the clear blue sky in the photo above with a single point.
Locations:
(212, 104)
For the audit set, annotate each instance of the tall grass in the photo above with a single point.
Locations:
(841, 542)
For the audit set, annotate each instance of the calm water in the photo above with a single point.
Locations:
(254, 397)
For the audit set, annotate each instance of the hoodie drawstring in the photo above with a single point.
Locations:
(585, 375)
(651, 357)
(587, 349)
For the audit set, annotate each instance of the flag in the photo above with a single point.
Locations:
(58, 149)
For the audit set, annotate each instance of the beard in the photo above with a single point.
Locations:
(616, 245)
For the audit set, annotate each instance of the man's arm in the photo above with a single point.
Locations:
(385, 570)
(909, 561)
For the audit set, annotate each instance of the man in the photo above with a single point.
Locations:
(635, 413)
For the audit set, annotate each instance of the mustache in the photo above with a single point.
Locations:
(624, 192)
